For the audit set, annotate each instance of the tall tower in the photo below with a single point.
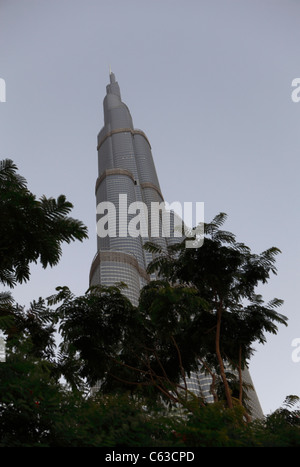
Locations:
(127, 175)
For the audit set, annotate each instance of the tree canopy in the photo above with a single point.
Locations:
(31, 230)
(225, 274)
(202, 314)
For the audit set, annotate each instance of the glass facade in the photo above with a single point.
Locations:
(126, 169)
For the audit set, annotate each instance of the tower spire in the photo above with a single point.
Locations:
(112, 77)
(113, 86)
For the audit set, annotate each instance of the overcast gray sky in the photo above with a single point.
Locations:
(209, 82)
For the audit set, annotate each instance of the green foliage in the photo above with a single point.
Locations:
(147, 349)
(224, 273)
(215, 426)
(31, 230)
(203, 312)
(203, 309)
(37, 411)
(120, 421)
(95, 328)
(29, 402)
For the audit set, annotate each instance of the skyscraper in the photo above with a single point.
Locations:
(126, 177)
(127, 174)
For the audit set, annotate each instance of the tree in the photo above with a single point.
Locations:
(203, 310)
(94, 329)
(107, 339)
(225, 274)
(31, 230)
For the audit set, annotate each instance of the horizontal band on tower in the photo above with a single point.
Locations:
(117, 257)
(123, 130)
(129, 174)
(109, 172)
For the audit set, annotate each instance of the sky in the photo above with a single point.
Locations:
(210, 83)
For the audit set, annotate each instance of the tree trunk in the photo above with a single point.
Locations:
(220, 360)
(240, 377)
